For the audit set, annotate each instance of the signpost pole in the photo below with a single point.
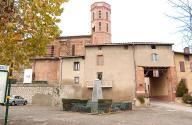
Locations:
(7, 101)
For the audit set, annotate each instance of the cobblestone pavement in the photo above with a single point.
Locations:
(156, 114)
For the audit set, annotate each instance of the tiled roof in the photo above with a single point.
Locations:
(129, 43)
(79, 36)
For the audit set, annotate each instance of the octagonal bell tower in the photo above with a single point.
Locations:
(101, 23)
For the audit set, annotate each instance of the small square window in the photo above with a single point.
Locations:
(186, 57)
(76, 80)
(153, 47)
(155, 57)
(99, 75)
(76, 66)
(99, 48)
(182, 66)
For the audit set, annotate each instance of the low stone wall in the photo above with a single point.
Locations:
(44, 94)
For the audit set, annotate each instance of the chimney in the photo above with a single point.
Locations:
(186, 51)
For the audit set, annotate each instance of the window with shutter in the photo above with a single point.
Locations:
(73, 50)
(191, 66)
(100, 60)
(182, 66)
(50, 51)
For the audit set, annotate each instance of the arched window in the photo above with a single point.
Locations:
(107, 15)
(93, 15)
(99, 14)
(154, 57)
(107, 27)
(99, 26)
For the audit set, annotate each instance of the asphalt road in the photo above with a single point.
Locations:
(156, 114)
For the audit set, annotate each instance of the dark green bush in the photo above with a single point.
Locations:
(141, 99)
(181, 89)
(104, 105)
(101, 101)
(187, 99)
(67, 103)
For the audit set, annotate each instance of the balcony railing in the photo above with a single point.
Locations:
(104, 83)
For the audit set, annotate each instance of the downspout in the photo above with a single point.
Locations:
(135, 69)
(61, 71)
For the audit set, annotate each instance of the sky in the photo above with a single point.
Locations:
(131, 21)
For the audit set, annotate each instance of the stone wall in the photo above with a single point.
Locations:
(44, 94)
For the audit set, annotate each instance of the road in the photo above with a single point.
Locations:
(156, 114)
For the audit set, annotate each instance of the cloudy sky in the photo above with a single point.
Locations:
(132, 21)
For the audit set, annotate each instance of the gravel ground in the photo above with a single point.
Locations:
(156, 114)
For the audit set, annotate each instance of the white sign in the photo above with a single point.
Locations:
(28, 76)
(3, 81)
(4, 68)
(155, 73)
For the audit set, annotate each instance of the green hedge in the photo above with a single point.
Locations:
(187, 99)
(68, 103)
(141, 99)
(101, 101)
(181, 89)
(121, 106)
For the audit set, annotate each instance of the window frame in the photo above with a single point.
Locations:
(154, 57)
(76, 66)
(100, 74)
(100, 60)
(107, 27)
(153, 47)
(107, 15)
(100, 26)
(93, 16)
(76, 80)
(182, 66)
(100, 14)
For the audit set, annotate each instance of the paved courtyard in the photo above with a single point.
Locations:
(157, 114)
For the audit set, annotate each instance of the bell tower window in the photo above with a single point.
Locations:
(99, 26)
(99, 14)
(107, 15)
(107, 27)
(93, 15)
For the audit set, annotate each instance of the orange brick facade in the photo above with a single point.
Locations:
(171, 84)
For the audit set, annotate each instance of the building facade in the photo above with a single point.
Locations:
(126, 70)
(183, 65)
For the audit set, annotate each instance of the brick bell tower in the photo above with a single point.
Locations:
(101, 23)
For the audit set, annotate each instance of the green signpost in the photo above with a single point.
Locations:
(5, 87)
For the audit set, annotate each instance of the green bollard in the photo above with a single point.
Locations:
(10, 81)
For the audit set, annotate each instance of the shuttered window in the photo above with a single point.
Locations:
(50, 51)
(182, 66)
(191, 66)
(100, 60)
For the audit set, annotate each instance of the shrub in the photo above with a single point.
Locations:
(187, 98)
(104, 105)
(141, 99)
(67, 103)
(181, 89)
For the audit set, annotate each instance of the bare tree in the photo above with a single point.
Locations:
(183, 14)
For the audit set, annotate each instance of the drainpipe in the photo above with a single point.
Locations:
(135, 69)
(61, 70)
